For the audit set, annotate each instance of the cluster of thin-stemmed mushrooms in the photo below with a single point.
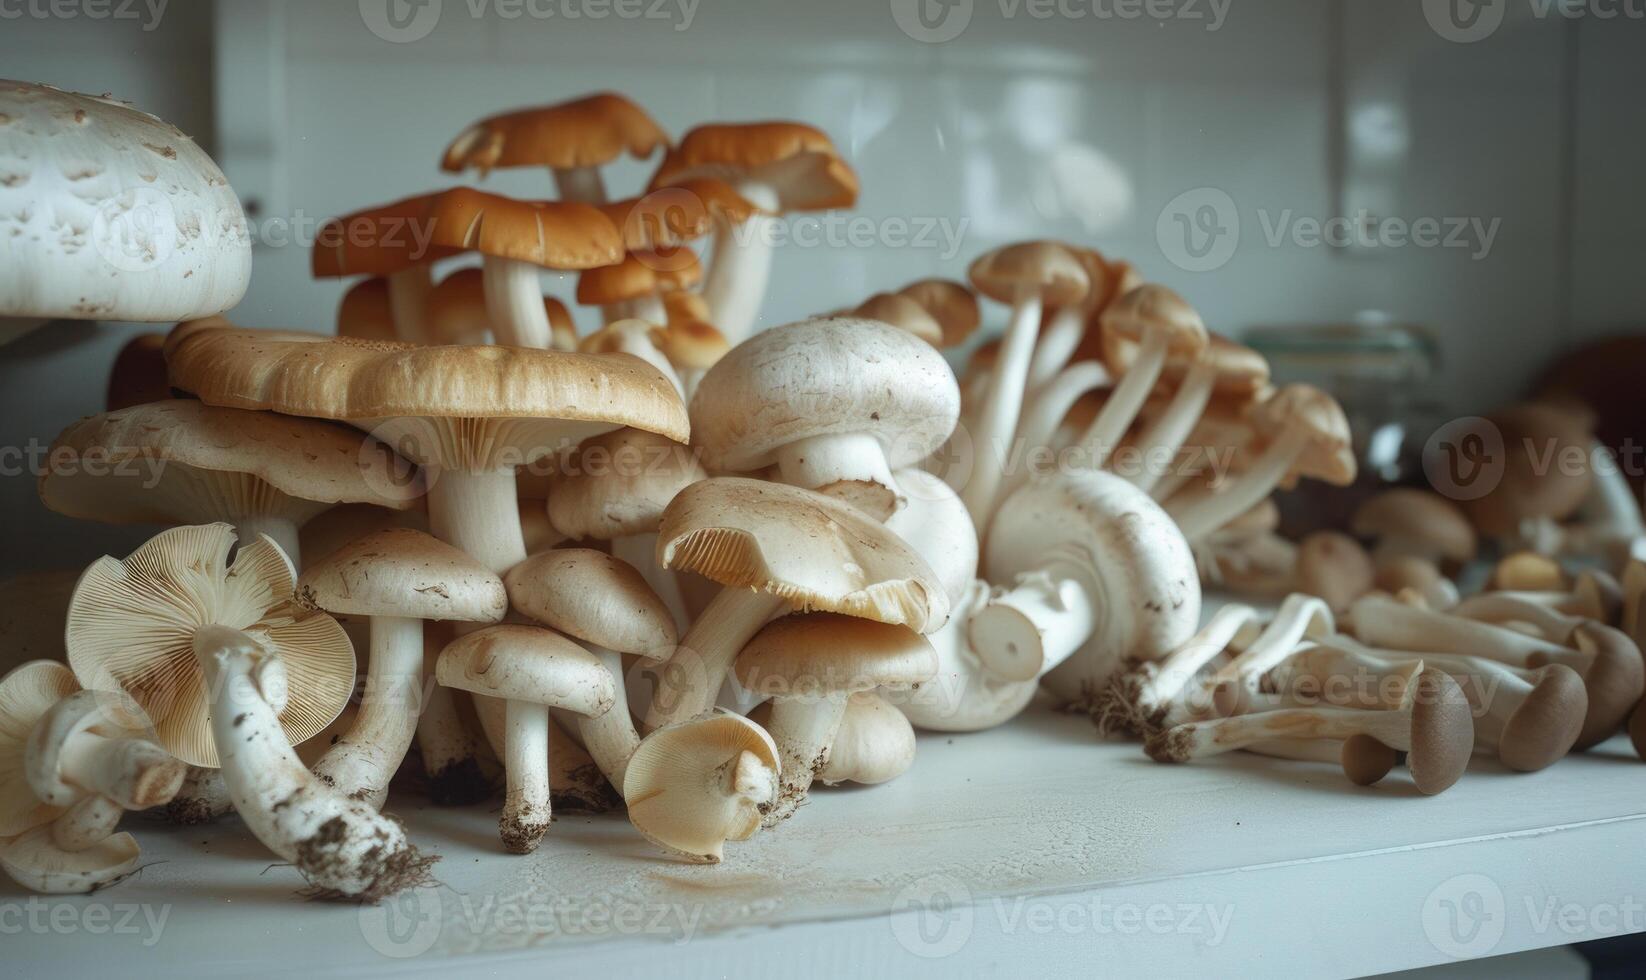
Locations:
(676, 566)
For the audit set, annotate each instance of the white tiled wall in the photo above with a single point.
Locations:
(1083, 128)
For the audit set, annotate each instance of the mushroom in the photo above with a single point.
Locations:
(779, 167)
(1066, 324)
(635, 338)
(366, 312)
(1028, 276)
(809, 664)
(1532, 497)
(936, 525)
(457, 313)
(1300, 617)
(185, 462)
(1334, 567)
(874, 743)
(139, 373)
(1149, 696)
(1431, 724)
(604, 603)
(531, 670)
(1308, 436)
(109, 213)
(614, 488)
(693, 785)
(1044, 417)
(837, 404)
(1099, 574)
(688, 340)
(1364, 759)
(776, 547)
(1410, 523)
(34, 862)
(902, 312)
(574, 139)
(1609, 517)
(1613, 673)
(1232, 372)
(399, 578)
(951, 304)
(1523, 571)
(233, 674)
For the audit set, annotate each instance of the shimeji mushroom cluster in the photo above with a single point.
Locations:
(677, 566)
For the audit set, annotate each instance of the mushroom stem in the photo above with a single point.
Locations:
(526, 814)
(279, 529)
(580, 184)
(1154, 695)
(687, 684)
(1025, 633)
(1202, 515)
(87, 823)
(338, 844)
(1299, 616)
(855, 457)
(1057, 344)
(963, 696)
(610, 737)
(1105, 432)
(649, 308)
(203, 798)
(1051, 405)
(479, 513)
(640, 550)
(803, 728)
(450, 751)
(361, 762)
(735, 283)
(1168, 433)
(1002, 407)
(514, 303)
(133, 773)
(409, 290)
(1502, 608)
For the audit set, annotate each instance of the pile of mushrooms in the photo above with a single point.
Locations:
(663, 562)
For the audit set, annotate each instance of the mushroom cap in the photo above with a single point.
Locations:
(1597, 594)
(365, 312)
(1140, 559)
(672, 216)
(1547, 724)
(1048, 268)
(527, 663)
(616, 485)
(596, 598)
(807, 654)
(1615, 680)
(902, 312)
(1421, 517)
(1528, 571)
(1122, 278)
(937, 525)
(874, 744)
(109, 213)
(951, 304)
(1443, 731)
(38, 864)
(813, 551)
(139, 373)
(1398, 572)
(584, 132)
(826, 376)
(160, 775)
(1334, 566)
(690, 344)
(1366, 760)
(184, 461)
(341, 525)
(457, 309)
(1529, 488)
(131, 628)
(26, 693)
(416, 230)
(405, 573)
(797, 161)
(1328, 454)
(429, 401)
(1240, 371)
(1152, 307)
(640, 274)
(33, 608)
(692, 786)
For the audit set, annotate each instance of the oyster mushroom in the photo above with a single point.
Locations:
(693, 785)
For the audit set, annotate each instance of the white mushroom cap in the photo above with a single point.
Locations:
(26, 694)
(402, 572)
(596, 598)
(34, 862)
(875, 743)
(693, 786)
(109, 213)
(527, 663)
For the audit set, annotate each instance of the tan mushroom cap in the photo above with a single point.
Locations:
(874, 744)
(457, 309)
(405, 573)
(1152, 307)
(827, 653)
(1048, 268)
(951, 304)
(1442, 732)
(365, 313)
(812, 173)
(1241, 372)
(692, 786)
(139, 373)
(1529, 487)
(1366, 760)
(824, 376)
(902, 312)
(690, 344)
(584, 132)
(26, 693)
(1421, 517)
(1123, 277)
(1614, 681)
(640, 274)
(131, 628)
(383, 240)
(617, 484)
(185, 461)
(430, 401)
(1334, 566)
(1547, 724)
(671, 216)
(814, 551)
(595, 598)
(1328, 455)
(527, 663)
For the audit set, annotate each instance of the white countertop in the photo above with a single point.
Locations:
(1032, 847)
